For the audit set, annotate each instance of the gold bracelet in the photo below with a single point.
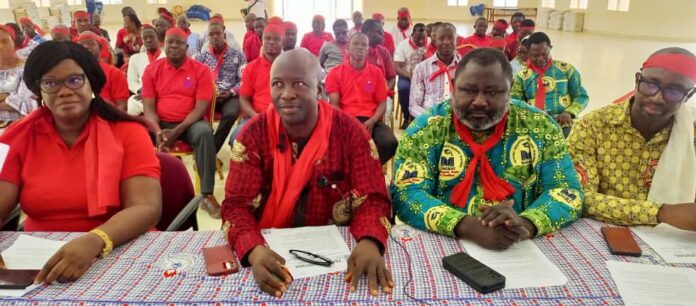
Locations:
(108, 243)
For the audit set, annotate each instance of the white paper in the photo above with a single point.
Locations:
(672, 244)
(322, 240)
(4, 150)
(641, 284)
(523, 265)
(17, 292)
(30, 253)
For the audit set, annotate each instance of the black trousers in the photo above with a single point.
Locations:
(384, 139)
(230, 111)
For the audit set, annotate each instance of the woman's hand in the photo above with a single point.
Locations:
(71, 261)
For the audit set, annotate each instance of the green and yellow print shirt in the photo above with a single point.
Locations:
(532, 156)
(564, 91)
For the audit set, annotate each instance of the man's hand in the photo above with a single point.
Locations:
(564, 119)
(494, 238)
(269, 271)
(681, 216)
(366, 259)
(165, 139)
(370, 125)
(503, 214)
(223, 96)
(71, 261)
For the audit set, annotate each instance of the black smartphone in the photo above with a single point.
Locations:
(17, 279)
(474, 273)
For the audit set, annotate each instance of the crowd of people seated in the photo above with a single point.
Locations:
(495, 147)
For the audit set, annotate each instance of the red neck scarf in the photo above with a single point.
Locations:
(412, 44)
(103, 155)
(443, 69)
(219, 58)
(289, 179)
(151, 57)
(540, 98)
(404, 31)
(494, 188)
(431, 50)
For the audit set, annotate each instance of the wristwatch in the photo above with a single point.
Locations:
(108, 243)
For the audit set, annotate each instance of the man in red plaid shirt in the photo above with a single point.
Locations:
(305, 163)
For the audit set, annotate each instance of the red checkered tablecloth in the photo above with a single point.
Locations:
(135, 274)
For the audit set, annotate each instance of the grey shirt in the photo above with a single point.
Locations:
(330, 55)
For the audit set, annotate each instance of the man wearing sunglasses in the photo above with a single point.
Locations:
(637, 156)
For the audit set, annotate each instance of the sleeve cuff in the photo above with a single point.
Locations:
(446, 222)
(541, 221)
(244, 243)
(377, 232)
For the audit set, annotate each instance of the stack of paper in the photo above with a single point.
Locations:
(30, 253)
(672, 244)
(523, 265)
(641, 284)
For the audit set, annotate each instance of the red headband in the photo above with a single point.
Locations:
(682, 64)
(87, 36)
(175, 31)
(403, 14)
(318, 18)
(275, 28)
(527, 28)
(80, 15)
(378, 16)
(60, 30)
(289, 25)
(25, 20)
(500, 25)
(217, 19)
(10, 31)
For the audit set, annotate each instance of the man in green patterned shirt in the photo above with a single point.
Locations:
(550, 85)
(481, 167)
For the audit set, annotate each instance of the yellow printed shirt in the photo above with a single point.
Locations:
(532, 156)
(616, 165)
(564, 91)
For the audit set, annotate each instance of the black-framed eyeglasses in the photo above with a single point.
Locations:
(312, 258)
(669, 93)
(75, 81)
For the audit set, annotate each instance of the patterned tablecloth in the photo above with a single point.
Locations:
(135, 274)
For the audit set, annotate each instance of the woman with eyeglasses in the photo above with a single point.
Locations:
(78, 164)
(637, 157)
(15, 99)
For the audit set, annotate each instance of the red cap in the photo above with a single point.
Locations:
(9, 30)
(167, 16)
(289, 25)
(80, 15)
(318, 18)
(275, 19)
(147, 27)
(60, 29)
(500, 25)
(175, 31)
(25, 20)
(378, 16)
(275, 28)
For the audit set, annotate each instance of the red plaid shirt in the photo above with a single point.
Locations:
(351, 163)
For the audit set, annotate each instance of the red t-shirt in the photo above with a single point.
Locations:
(256, 83)
(252, 48)
(122, 33)
(313, 42)
(177, 90)
(116, 86)
(380, 57)
(389, 43)
(361, 90)
(248, 34)
(51, 176)
(485, 41)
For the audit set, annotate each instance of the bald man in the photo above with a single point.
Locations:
(357, 23)
(286, 142)
(61, 33)
(313, 41)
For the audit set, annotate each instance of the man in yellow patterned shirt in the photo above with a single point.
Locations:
(637, 156)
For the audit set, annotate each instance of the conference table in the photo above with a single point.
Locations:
(167, 267)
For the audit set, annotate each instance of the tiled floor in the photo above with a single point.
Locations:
(607, 65)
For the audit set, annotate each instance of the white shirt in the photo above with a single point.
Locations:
(398, 36)
(136, 67)
(406, 54)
